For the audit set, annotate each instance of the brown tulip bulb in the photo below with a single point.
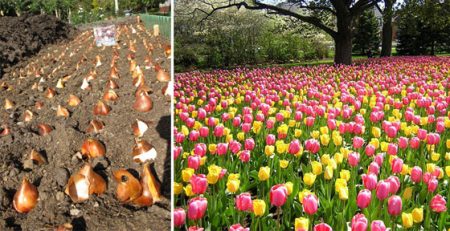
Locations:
(26, 197)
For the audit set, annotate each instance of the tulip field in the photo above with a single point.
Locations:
(360, 147)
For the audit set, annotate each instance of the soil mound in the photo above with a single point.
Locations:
(22, 37)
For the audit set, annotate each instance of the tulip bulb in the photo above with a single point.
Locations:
(26, 197)
(143, 152)
(37, 157)
(143, 103)
(98, 61)
(27, 116)
(38, 105)
(73, 101)
(139, 128)
(168, 51)
(110, 95)
(60, 84)
(85, 85)
(113, 74)
(85, 183)
(4, 131)
(168, 89)
(65, 227)
(44, 129)
(95, 126)
(150, 182)
(8, 104)
(162, 76)
(139, 81)
(143, 89)
(112, 85)
(62, 112)
(92, 148)
(128, 187)
(101, 108)
(50, 93)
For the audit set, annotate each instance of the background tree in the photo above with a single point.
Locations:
(386, 34)
(367, 33)
(424, 27)
(314, 12)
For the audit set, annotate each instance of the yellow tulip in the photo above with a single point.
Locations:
(233, 185)
(345, 174)
(328, 175)
(337, 140)
(264, 173)
(187, 173)
(301, 223)
(188, 191)
(316, 167)
(259, 207)
(269, 150)
(213, 174)
(309, 178)
(324, 130)
(447, 170)
(339, 184)
(284, 163)
(376, 132)
(257, 125)
(177, 188)
(203, 160)
(241, 136)
(435, 156)
(407, 193)
(324, 139)
(212, 148)
(343, 193)
(338, 157)
(447, 156)
(417, 215)
(407, 220)
(315, 134)
(289, 186)
(431, 167)
(297, 133)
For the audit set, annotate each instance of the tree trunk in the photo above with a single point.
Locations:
(116, 7)
(386, 43)
(69, 16)
(343, 40)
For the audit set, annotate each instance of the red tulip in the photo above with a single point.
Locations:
(416, 174)
(383, 190)
(392, 149)
(222, 148)
(395, 205)
(369, 181)
(249, 144)
(234, 146)
(438, 204)
(179, 217)
(312, 145)
(197, 207)
(204, 132)
(322, 227)
(244, 156)
(200, 149)
(422, 134)
(195, 228)
(414, 143)
(194, 135)
(370, 150)
(270, 139)
(397, 165)
(402, 142)
(432, 184)
(357, 142)
(294, 147)
(278, 195)
(244, 202)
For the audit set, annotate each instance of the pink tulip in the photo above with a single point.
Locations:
(374, 168)
(422, 134)
(222, 148)
(197, 208)
(234, 146)
(392, 149)
(353, 159)
(379, 159)
(246, 127)
(190, 122)
(377, 225)
(194, 135)
(331, 123)
(432, 184)
(249, 144)
(322, 227)
(179, 137)
(194, 162)
(363, 198)
(427, 177)
(416, 174)
(236, 121)
(395, 205)
(312, 145)
(278, 195)
(195, 228)
(248, 118)
(414, 143)
(397, 165)
(201, 114)
(199, 183)
(204, 132)
(369, 181)
(359, 222)
(218, 131)
(270, 123)
(270, 139)
(200, 149)
(177, 150)
(357, 142)
(244, 156)
(383, 190)
(370, 150)
(310, 204)
(391, 132)
(244, 202)
(212, 122)
(294, 147)
(310, 121)
(402, 142)
(433, 138)
(179, 217)
(438, 204)
(238, 227)
(394, 184)
(298, 116)
(279, 117)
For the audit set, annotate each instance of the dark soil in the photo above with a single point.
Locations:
(22, 37)
(54, 208)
